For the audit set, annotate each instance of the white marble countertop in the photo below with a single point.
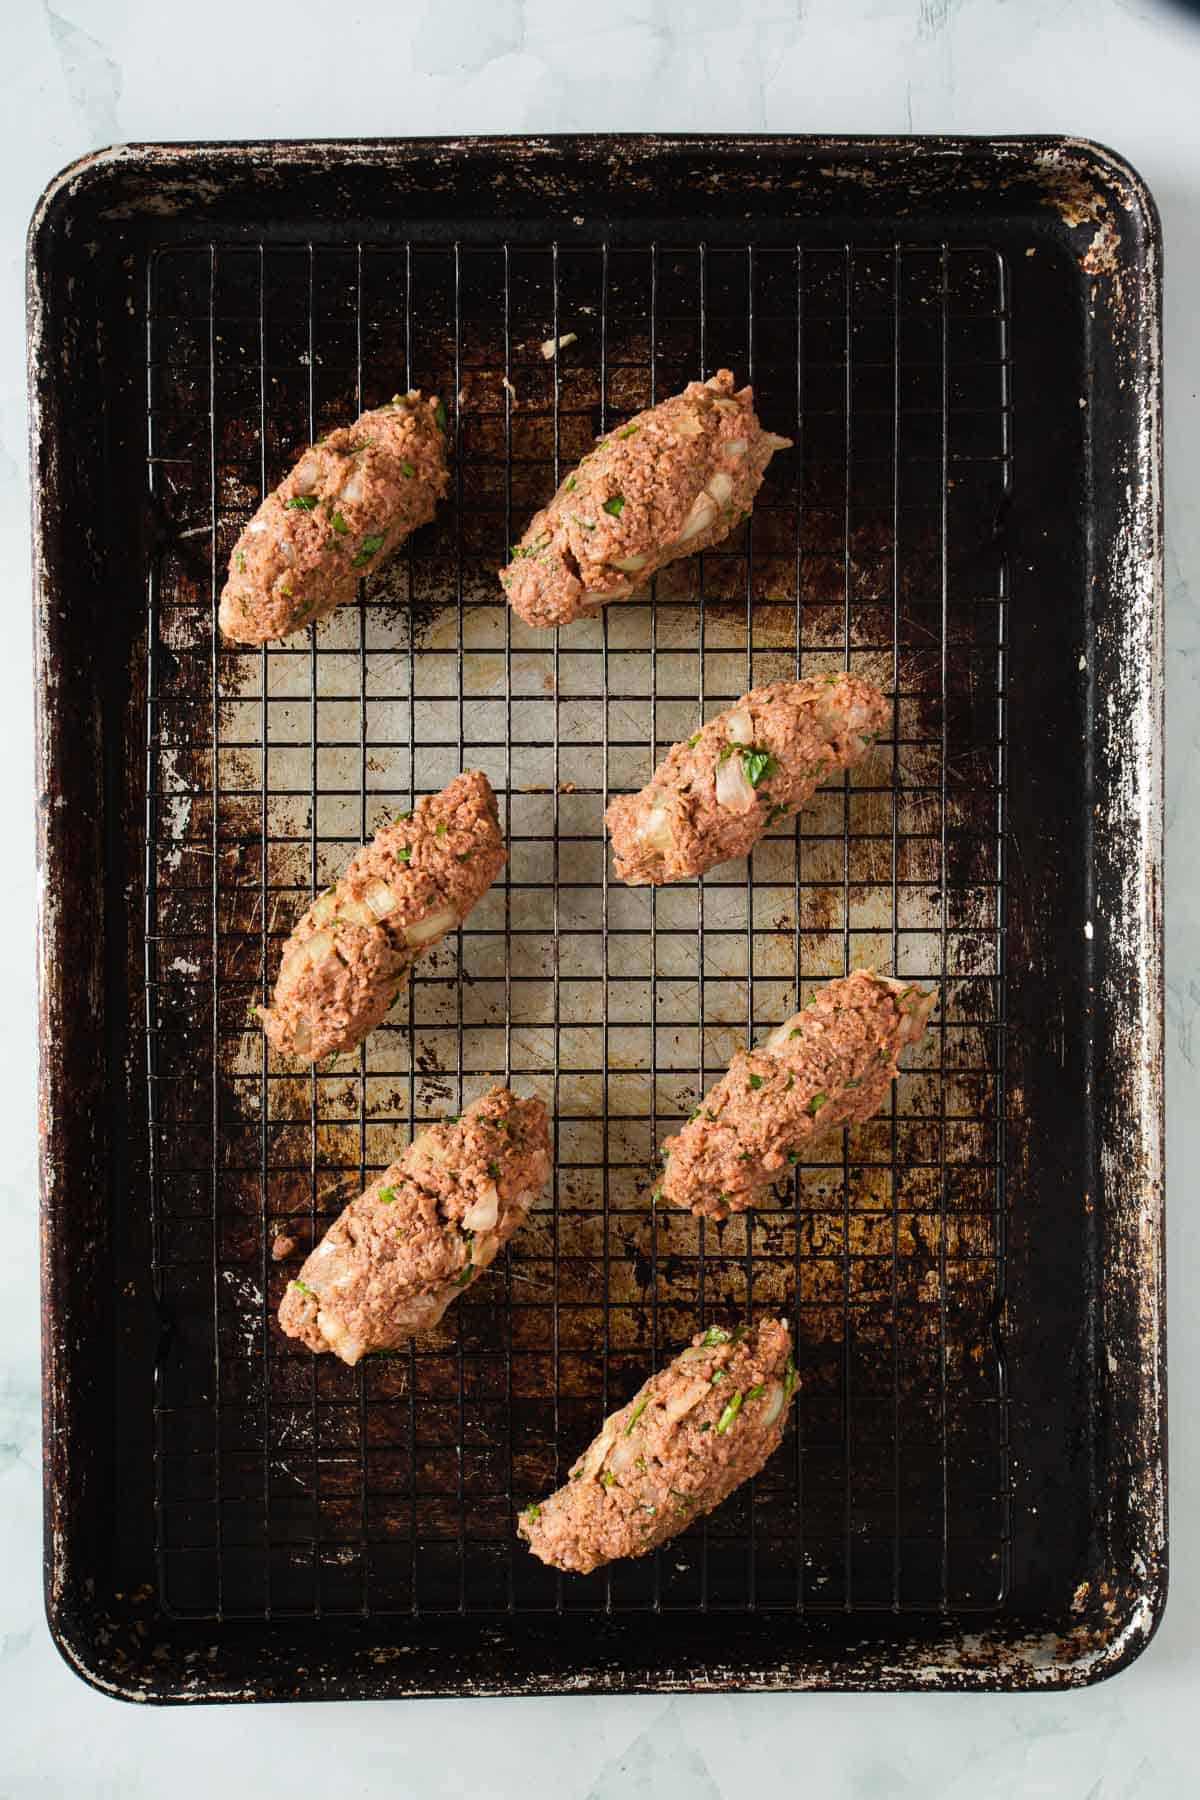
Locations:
(79, 73)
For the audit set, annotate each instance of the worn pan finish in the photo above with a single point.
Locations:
(1082, 1319)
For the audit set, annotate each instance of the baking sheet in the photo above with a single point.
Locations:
(935, 1515)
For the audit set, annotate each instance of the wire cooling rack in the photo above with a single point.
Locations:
(289, 1485)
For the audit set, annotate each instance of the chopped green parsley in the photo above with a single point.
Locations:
(635, 1415)
(759, 765)
(730, 1413)
(370, 546)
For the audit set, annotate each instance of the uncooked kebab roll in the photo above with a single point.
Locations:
(350, 501)
(421, 1233)
(673, 480)
(714, 796)
(828, 1066)
(689, 1436)
(348, 957)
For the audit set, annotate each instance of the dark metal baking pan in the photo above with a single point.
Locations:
(963, 338)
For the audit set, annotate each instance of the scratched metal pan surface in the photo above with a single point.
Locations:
(963, 340)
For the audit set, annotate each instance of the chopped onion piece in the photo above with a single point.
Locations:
(307, 471)
(323, 909)
(355, 913)
(485, 1248)
(685, 1399)
(727, 405)
(552, 346)
(720, 486)
(739, 728)
(714, 381)
(285, 551)
(688, 425)
(774, 1405)
(380, 899)
(422, 1311)
(697, 1353)
(916, 1014)
(257, 526)
(625, 1453)
(699, 518)
(424, 931)
(352, 490)
(302, 956)
(482, 1215)
(774, 442)
(339, 1339)
(779, 1037)
(737, 447)
(599, 1450)
(631, 564)
(656, 830)
(302, 1037)
(733, 788)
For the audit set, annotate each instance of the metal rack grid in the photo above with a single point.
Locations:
(291, 1485)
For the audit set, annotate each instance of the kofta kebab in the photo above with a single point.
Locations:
(672, 480)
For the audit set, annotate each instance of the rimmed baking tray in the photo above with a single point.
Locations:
(963, 338)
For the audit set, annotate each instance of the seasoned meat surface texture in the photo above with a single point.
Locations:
(673, 480)
(713, 797)
(349, 955)
(690, 1435)
(828, 1066)
(420, 1234)
(350, 501)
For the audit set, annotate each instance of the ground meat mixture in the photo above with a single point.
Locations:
(348, 957)
(673, 480)
(715, 795)
(420, 1234)
(692, 1434)
(828, 1066)
(351, 500)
